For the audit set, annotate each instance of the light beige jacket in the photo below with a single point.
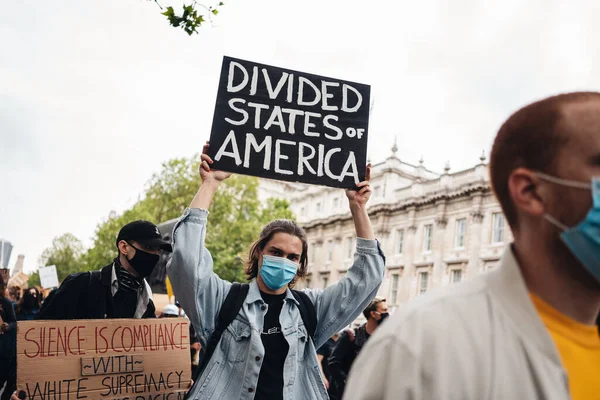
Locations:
(479, 340)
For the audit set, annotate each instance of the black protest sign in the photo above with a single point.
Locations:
(281, 124)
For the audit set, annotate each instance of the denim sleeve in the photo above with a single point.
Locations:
(199, 290)
(339, 304)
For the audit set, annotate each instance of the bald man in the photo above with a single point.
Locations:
(527, 329)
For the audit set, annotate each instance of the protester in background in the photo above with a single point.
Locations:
(170, 311)
(119, 290)
(266, 352)
(29, 305)
(8, 344)
(181, 311)
(526, 329)
(323, 354)
(14, 294)
(351, 343)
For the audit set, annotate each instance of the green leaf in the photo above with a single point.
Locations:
(169, 13)
(215, 11)
(221, 3)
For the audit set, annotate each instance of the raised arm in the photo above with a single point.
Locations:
(199, 290)
(211, 179)
(358, 207)
(339, 304)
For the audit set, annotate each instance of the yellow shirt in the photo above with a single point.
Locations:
(579, 349)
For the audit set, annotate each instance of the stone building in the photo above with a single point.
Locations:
(435, 229)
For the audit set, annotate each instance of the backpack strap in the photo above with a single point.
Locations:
(229, 310)
(94, 275)
(307, 312)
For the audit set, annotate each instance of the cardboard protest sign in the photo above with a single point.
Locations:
(126, 359)
(48, 277)
(277, 123)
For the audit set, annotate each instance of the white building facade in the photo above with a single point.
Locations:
(435, 229)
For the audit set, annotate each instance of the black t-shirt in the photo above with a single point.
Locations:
(270, 379)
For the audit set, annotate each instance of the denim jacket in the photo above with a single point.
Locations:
(233, 370)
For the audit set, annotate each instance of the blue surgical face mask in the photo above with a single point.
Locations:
(583, 240)
(276, 272)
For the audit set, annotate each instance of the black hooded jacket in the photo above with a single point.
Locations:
(86, 295)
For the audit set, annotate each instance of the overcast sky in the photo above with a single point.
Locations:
(95, 94)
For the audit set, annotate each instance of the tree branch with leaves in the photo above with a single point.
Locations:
(192, 16)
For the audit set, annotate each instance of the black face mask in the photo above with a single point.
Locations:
(383, 317)
(143, 262)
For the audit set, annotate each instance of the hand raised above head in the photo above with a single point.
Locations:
(362, 194)
(208, 174)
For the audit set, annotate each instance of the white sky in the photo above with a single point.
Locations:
(95, 94)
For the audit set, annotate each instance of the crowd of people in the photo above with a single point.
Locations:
(527, 330)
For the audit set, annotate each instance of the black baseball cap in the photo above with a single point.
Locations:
(143, 232)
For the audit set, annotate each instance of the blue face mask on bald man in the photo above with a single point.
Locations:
(583, 240)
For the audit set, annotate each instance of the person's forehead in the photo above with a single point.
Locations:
(581, 123)
(286, 242)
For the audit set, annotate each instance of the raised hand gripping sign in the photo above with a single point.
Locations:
(126, 359)
(281, 124)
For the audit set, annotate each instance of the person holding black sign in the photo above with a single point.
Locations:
(261, 338)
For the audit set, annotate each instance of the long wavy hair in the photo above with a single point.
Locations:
(284, 226)
(28, 302)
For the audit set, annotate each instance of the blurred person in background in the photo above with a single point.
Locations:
(350, 344)
(29, 305)
(8, 343)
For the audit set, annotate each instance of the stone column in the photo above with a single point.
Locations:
(438, 244)
(475, 239)
(408, 252)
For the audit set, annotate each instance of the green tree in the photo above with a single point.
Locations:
(104, 248)
(65, 253)
(193, 15)
(235, 221)
(34, 279)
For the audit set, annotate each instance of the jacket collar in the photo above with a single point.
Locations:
(108, 277)
(507, 285)
(254, 294)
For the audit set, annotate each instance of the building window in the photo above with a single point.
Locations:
(377, 191)
(349, 248)
(394, 289)
(313, 250)
(399, 240)
(427, 236)
(459, 234)
(319, 207)
(330, 251)
(423, 280)
(455, 275)
(303, 211)
(498, 228)
(308, 282)
(325, 280)
(336, 203)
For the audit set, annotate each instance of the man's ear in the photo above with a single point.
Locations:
(122, 246)
(526, 192)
